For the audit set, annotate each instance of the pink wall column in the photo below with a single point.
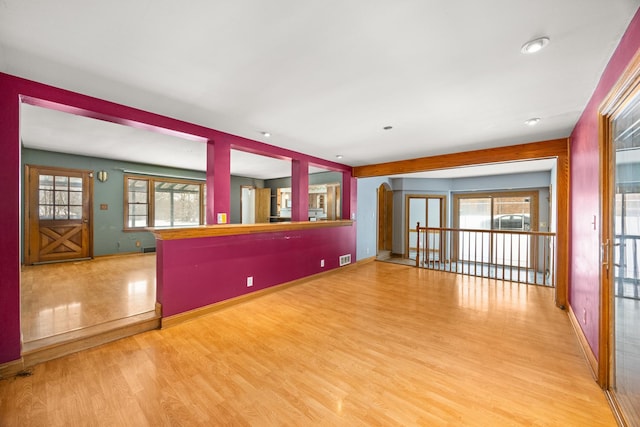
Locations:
(10, 234)
(299, 190)
(218, 180)
(584, 271)
(349, 186)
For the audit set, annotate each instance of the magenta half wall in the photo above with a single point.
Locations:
(196, 272)
(584, 271)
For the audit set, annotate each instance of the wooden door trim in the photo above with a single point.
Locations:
(623, 92)
(28, 257)
(407, 228)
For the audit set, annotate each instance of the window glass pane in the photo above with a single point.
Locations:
(137, 209)
(75, 198)
(61, 212)
(75, 212)
(137, 198)
(138, 185)
(62, 183)
(62, 198)
(512, 213)
(46, 212)
(176, 204)
(162, 210)
(186, 209)
(45, 197)
(46, 182)
(137, 221)
(75, 184)
(475, 213)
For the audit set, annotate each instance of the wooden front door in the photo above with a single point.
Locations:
(58, 214)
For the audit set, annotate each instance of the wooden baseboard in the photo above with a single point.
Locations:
(11, 369)
(584, 344)
(179, 318)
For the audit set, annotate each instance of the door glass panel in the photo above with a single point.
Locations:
(511, 214)
(417, 213)
(434, 219)
(59, 197)
(475, 214)
(62, 183)
(45, 212)
(626, 292)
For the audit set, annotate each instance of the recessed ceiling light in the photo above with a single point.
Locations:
(266, 134)
(339, 156)
(532, 122)
(535, 45)
(387, 127)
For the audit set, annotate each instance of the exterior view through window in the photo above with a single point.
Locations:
(512, 212)
(163, 202)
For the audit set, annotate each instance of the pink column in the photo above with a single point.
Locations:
(299, 190)
(218, 181)
(10, 172)
(349, 186)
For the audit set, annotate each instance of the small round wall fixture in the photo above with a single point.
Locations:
(102, 176)
(533, 121)
(535, 45)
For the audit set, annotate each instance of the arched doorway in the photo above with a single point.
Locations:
(385, 221)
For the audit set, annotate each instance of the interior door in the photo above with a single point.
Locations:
(262, 205)
(385, 218)
(58, 210)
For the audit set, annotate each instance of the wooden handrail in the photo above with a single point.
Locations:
(238, 229)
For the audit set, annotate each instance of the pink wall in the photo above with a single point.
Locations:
(196, 272)
(12, 90)
(584, 292)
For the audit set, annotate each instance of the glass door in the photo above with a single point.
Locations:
(429, 212)
(625, 289)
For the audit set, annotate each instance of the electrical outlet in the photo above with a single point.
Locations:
(321, 263)
(138, 244)
(249, 281)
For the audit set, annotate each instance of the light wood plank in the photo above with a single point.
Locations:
(376, 344)
(237, 229)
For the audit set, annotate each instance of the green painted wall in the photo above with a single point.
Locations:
(108, 237)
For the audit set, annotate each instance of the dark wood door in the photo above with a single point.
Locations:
(58, 211)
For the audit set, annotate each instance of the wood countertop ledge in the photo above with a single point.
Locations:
(235, 229)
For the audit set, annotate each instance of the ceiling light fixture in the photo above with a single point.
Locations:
(266, 134)
(535, 45)
(532, 122)
(339, 156)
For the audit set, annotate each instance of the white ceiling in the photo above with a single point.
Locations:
(323, 77)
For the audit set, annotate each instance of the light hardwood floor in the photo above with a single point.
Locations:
(65, 297)
(373, 344)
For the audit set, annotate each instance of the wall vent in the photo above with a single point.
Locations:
(345, 259)
(148, 250)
